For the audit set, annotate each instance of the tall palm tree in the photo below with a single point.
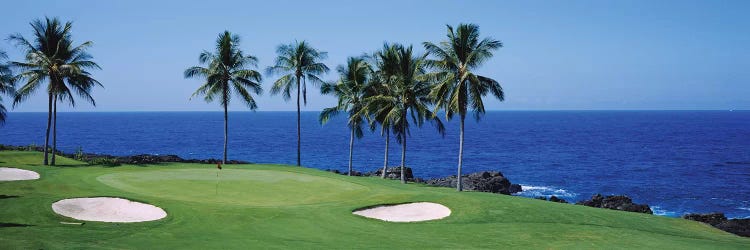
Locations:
(6, 84)
(460, 88)
(52, 57)
(385, 62)
(407, 96)
(226, 73)
(350, 90)
(297, 63)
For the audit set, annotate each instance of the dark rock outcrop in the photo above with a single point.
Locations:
(515, 188)
(149, 159)
(130, 159)
(616, 202)
(712, 219)
(393, 173)
(555, 199)
(493, 182)
(335, 171)
(552, 199)
(153, 159)
(739, 227)
(390, 173)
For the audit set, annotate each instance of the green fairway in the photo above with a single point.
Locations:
(235, 186)
(275, 206)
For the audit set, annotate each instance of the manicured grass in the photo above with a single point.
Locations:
(275, 206)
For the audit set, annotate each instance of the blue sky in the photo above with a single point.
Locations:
(557, 54)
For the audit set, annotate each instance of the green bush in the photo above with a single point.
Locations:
(104, 161)
(79, 154)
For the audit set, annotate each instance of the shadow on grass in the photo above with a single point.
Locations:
(2, 196)
(72, 165)
(3, 224)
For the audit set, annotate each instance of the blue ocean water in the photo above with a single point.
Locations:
(676, 161)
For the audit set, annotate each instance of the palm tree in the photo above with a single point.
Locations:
(385, 62)
(407, 96)
(297, 63)
(6, 84)
(53, 58)
(350, 90)
(460, 88)
(226, 73)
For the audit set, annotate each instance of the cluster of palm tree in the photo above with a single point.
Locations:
(393, 84)
(50, 58)
(382, 90)
(227, 73)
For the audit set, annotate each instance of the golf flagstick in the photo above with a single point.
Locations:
(218, 166)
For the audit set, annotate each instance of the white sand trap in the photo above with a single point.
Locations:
(107, 209)
(15, 174)
(410, 212)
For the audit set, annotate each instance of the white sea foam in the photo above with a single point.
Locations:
(663, 212)
(536, 191)
(744, 208)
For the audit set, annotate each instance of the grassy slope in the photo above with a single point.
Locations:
(283, 207)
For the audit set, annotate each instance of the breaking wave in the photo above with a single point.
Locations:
(536, 191)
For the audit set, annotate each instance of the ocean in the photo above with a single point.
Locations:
(675, 161)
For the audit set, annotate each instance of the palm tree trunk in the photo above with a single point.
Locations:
(403, 148)
(54, 130)
(460, 154)
(385, 161)
(226, 133)
(351, 151)
(46, 136)
(299, 135)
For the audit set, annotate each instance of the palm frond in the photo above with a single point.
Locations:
(283, 85)
(327, 114)
(225, 72)
(458, 55)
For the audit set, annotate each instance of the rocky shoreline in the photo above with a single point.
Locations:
(739, 227)
(486, 181)
(112, 160)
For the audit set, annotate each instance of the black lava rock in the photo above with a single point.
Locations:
(555, 199)
(739, 227)
(393, 173)
(515, 188)
(493, 182)
(712, 219)
(616, 202)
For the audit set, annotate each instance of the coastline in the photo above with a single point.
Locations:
(491, 182)
(521, 190)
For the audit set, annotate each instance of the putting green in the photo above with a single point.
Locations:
(235, 186)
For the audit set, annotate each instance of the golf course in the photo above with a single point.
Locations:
(277, 206)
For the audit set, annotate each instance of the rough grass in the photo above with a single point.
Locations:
(275, 206)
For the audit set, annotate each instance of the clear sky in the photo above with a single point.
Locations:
(557, 54)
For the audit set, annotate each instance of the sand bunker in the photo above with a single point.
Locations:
(410, 212)
(107, 209)
(15, 174)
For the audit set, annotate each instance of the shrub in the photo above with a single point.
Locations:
(79, 154)
(105, 161)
